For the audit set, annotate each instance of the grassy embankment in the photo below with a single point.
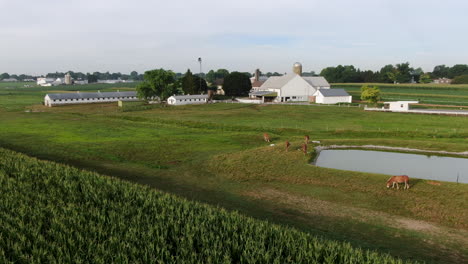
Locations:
(437, 94)
(55, 213)
(214, 154)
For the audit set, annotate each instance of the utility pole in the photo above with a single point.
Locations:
(200, 75)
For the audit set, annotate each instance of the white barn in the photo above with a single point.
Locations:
(332, 96)
(87, 98)
(290, 87)
(187, 99)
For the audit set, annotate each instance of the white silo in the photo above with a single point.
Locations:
(297, 68)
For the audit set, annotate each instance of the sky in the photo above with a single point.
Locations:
(41, 36)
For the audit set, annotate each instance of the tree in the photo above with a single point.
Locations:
(157, 83)
(237, 84)
(404, 72)
(425, 78)
(4, 76)
(200, 85)
(440, 71)
(457, 70)
(134, 75)
(462, 79)
(188, 85)
(92, 78)
(386, 74)
(370, 94)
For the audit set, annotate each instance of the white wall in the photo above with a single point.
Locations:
(297, 87)
(173, 101)
(320, 99)
(49, 102)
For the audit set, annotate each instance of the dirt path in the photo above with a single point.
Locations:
(452, 241)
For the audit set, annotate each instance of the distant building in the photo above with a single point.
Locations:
(9, 80)
(442, 80)
(187, 99)
(331, 96)
(45, 81)
(219, 86)
(398, 105)
(87, 98)
(257, 81)
(290, 87)
(80, 82)
(29, 80)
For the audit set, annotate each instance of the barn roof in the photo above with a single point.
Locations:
(333, 92)
(195, 96)
(277, 82)
(317, 81)
(78, 95)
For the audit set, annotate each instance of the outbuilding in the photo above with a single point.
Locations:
(87, 98)
(187, 99)
(399, 105)
(331, 96)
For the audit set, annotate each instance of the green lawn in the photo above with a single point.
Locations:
(443, 94)
(216, 154)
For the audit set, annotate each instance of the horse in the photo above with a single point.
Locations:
(266, 137)
(306, 139)
(304, 148)
(287, 145)
(398, 179)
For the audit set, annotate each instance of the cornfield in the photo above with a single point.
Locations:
(52, 213)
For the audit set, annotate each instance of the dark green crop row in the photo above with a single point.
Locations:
(52, 213)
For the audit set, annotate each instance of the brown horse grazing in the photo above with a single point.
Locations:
(287, 145)
(398, 179)
(304, 148)
(266, 137)
(306, 139)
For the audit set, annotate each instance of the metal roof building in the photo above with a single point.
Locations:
(187, 99)
(86, 98)
(332, 96)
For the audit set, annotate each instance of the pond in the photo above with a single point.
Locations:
(393, 163)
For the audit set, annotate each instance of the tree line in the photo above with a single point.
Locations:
(399, 73)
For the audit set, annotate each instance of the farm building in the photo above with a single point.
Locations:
(10, 80)
(187, 99)
(87, 98)
(257, 81)
(331, 96)
(290, 87)
(398, 105)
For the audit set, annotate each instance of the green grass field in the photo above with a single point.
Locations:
(443, 94)
(215, 154)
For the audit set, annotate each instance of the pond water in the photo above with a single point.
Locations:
(392, 163)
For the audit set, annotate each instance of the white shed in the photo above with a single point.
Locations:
(399, 105)
(187, 99)
(332, 96)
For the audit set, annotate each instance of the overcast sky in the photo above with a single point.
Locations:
(40, 36)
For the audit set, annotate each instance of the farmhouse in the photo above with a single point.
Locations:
(187, 99)
(290, 87)
(87, 98)
(331, 96)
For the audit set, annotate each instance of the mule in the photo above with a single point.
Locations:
(397, 180)
(266, 137)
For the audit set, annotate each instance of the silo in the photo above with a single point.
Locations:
(297, 68)
(68, 79)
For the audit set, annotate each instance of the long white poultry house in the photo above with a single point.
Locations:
(187, 99)
(87, 98)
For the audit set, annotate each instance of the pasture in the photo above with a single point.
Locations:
(216, 154)
(437, 94)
